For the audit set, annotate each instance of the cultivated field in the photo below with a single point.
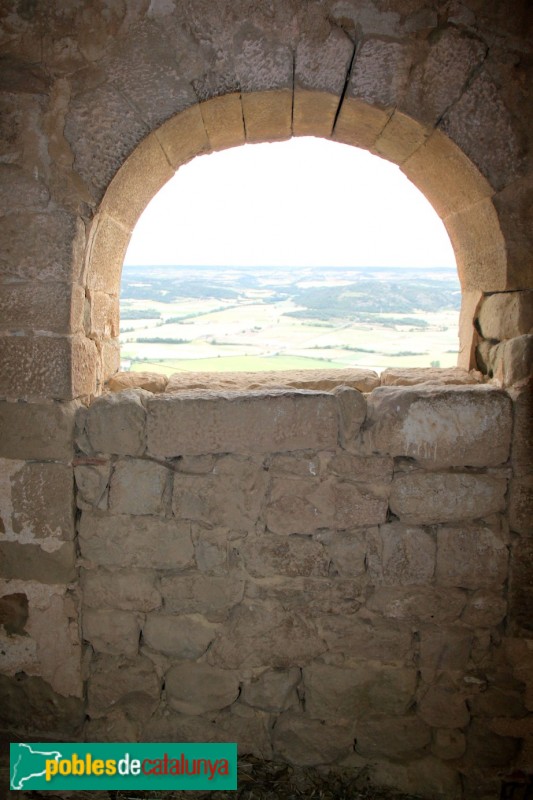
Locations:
(180, 318)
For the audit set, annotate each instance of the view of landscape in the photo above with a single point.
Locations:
(179, 318)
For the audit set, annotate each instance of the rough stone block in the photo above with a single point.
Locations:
(271, 554)
(347, 551)
(339, 693)
(406, 556)
(40, 508)
(92, 483)
(272, 690)
(111, 631)
(487, 749)
(427, 498)
(522, 443)
(115, 423)
(448, 744)
(304, 506)
(260, 635)
(506, 315)
(414, 376)
(484, 609)
(114, 678)
(400, 138)
(138, 486)
(53, 252)
(420, 603)
(127, 541)
(20, 190)
(39, 306)
(366, 639)
(511, 360)
(108, 243)
(258, 422)
(103, 315)
(521, 587)
(212, 549)
(181, 636)
(359, 123)
(212, 596)
(314, 113)
(361, 469)
(452, 426)
(37, 430)
(521, 505)
(310, 742)
(30, 704)
(204, 498)
(393, 737)
(311, 596)
(443, 707)
(196, 689)
(444, 649)
(128, 590)
(380, 72)
(318, 380)
(47, 367)
(150, 381)
(425, 777)
(471, 556)
(468, 334)
(352, 412)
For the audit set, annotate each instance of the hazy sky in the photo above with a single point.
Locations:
(304, 202)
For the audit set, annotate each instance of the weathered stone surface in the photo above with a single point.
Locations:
(405, 555)
(149, 381)
(522, 443)
(267, 115)
(92, 484)
(211, 596)
(426, 498)
(272, 690)
(440, 426)
(193, 424)
(340, 693)
(448, 743)
(204, 498)
(128, 590)
(304, 506)
(320, 380)
(273, 554)
(418, 603)
(380, 71)
(30, 704)
(309, 742)
(54, 307)
(311, 596)
(352, 412)
(114, 423)
(47, 367)
(37, 503)
(138, 486)
(128, 541)
(40, 634)
(484, 609)
(366, 638)
(506, 314)
(30, 562)
(488, 749)
(111, 631)
(37, 430)
(443, 707)
(361, 469)
(183, 636)
(260, 635)
(114, 678)
(426, 777)
(212, 549)
(521, 505)
(414, 376)
(394, 737)
(347, 550)
(102, 315)
(197, 688)
(444, 649)
(521, 586)
(511, 360)
(471, 556)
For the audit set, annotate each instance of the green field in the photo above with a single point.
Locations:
(256, 321)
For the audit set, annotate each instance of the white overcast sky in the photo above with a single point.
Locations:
(304, 202)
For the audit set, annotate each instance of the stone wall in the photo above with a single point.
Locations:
(327, 577)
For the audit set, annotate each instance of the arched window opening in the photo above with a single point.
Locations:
(299, 254)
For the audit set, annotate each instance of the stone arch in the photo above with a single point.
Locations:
(458, 191)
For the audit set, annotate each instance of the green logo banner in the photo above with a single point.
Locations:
(153, 766)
